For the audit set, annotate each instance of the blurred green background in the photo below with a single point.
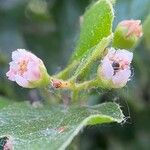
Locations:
(50, 28)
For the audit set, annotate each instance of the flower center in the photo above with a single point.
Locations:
(116, 65)
(23, 67)
(119, 65)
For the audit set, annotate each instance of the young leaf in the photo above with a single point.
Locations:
(97, 24)
(52, 127)
(91, 56)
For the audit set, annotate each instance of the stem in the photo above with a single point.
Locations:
(61, 84)
(82, 86)
(86, 85)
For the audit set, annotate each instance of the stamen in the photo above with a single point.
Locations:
(22, 67)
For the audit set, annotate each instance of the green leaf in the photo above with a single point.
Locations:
(91, 56)
(52, 127)
(97, 24)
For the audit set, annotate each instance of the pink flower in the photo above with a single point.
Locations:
(8, 143)
(133, 27)
(27, 69)
(115, 67)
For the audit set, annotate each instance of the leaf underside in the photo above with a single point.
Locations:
(52, 127)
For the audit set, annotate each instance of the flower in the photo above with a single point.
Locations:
(115, 70)
(133, 27)
(8, 143)
(127, 34)
(27, 70)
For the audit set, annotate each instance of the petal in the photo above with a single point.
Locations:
(12, 71)
(21, 81)
(124, 55)
(14, 66)
(17, 54)
(33, 57)
(22, 51)
(33, 72)
(107, 69)
(128, 23)
(111, 52)
(11, 75)
(121, 78)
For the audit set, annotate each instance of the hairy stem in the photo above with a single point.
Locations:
(87, 85)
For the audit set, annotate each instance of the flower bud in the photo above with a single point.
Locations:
(114, 70)
(27, 70)
(127, 34)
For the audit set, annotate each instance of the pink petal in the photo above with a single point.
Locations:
(33, 57)
(107, 69)
(133, 26)
(124, 55)
(128, 23)
(12, 71)
(121, 78)
(14, 66)
(21, 81)
(17, 54)
(11, 76)
(33, 72)
(111, 52)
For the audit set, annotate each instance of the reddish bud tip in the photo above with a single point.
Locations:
(133, 27)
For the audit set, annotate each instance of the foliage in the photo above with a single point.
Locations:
(51, 127)
(50, 34)
(101, 15)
